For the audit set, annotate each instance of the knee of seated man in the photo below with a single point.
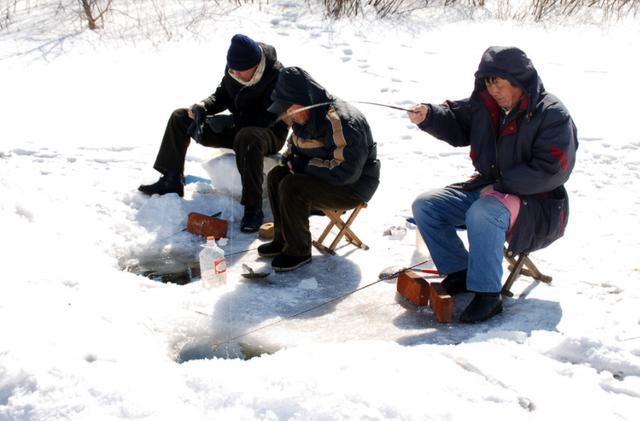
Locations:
(246, 137)
(179, 113)
(422, 209)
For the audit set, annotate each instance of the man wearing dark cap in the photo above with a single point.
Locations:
(330, 163)
(249, 77)
(523, 146)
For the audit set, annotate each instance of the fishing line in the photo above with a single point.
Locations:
(324, 303)
(229, 314)
(218, 344)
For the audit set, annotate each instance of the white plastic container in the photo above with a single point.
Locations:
(421, 247)
(213, 266)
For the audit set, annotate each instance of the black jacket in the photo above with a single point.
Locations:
(336, 139)
(248, 104)
(530, 154)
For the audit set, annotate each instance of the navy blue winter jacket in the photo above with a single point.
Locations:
(336, 140)
(531, 154)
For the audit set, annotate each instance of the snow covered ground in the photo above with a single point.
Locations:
(83, 337)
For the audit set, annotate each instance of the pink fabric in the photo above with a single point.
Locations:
(510, 201)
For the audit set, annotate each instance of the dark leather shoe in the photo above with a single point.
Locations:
(484, 306)
(251, 220)
(270, 249)
(168, 183)
(285, 263)
(456, 282)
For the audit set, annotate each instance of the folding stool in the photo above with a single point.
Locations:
(521, 264)
(344, 227)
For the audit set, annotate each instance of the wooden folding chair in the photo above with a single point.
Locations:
(344, 230)
(521, 264)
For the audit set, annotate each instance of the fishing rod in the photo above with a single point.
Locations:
(320, 104)
(394, 107)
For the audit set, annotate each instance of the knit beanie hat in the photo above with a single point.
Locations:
(244, 53)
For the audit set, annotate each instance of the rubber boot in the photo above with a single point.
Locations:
(456, 282)
(484, 306)
(171, 182)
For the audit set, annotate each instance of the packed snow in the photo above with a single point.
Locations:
(85, 335)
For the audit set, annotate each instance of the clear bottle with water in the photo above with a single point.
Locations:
(213, 266)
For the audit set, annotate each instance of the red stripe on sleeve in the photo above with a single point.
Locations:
(560, 156)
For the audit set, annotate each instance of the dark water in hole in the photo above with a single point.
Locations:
(168, 270)
(205, 350)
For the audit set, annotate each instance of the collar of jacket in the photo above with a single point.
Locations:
(494, 112)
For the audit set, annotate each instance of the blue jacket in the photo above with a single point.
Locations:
(336, 140)
(531, 153)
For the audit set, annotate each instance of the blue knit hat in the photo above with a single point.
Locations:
(244, 53)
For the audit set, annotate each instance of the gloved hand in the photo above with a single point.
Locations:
(298, 163)
(196, 127)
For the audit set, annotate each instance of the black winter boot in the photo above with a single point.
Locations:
(171, 182)
(251, 220)
(270, 249)
(484, 306)
(456, 282)
(285, 263)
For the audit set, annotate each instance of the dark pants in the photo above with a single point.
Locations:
(292, 196)
(250, 144)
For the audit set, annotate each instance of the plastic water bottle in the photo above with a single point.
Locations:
(213, 266)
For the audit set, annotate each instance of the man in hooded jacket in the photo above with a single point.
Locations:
(330, 163)
(522, 144)
(249, 77)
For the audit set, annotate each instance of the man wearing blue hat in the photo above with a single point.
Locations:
(249, 77)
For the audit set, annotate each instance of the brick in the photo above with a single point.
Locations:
(441, 303)
(414, 288)
(206, 226)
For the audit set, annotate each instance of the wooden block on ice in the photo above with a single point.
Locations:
(206, 226)
(441, 303)
(414, 288)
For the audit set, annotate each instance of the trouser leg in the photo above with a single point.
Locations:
(175, 142)
(297, 195)
(487, 222)
(274, 178)
(437, 214)
(251, 145)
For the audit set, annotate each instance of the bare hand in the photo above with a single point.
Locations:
(190, 110)
(418, 113)
(486, 190)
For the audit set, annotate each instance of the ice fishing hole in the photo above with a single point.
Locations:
(167, 271)
(206, 350)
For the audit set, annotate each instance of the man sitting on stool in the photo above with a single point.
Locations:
(249, 77)
(330, 163)
(523, 146)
